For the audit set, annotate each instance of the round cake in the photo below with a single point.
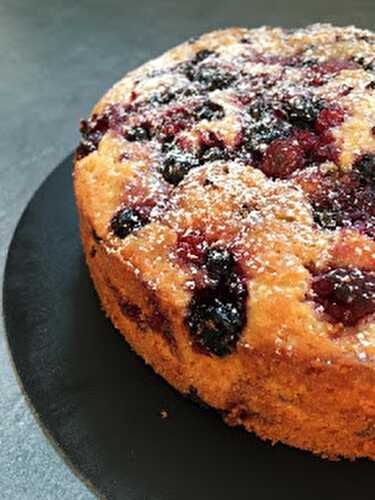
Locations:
(226, 194)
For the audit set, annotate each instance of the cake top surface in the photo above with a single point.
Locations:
(239, 168)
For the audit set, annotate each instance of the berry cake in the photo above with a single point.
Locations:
(226, 194)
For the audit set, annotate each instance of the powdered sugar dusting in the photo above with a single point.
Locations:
(261, 146)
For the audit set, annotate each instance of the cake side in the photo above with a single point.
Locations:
(323, 405)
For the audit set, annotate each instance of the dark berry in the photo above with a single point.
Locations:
(138, 133)
(215, 326)
(202, 54)
(365, 38)
(209, 111)
(214, 154)
(371, 85)
(347, 200)
(346, 295)
(167, 143)
(125, 221)
(257, 137)
(211, 148)
(217, 313)
(191, 69)
(163, 97)
(328, 218)
(217, 317)
(255, 85)
(258, 110)
(262, 128)
(319, 144)
(282, 158)
(92, 132)
(189, 92)
(302, 111)
(210, 77)
(365, 168)
(177, 164)
(308, 62)
(219, 264)
(365, 63)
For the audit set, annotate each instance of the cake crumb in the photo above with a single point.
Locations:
(163, 414)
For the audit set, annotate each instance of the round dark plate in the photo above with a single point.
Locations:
(101, 404)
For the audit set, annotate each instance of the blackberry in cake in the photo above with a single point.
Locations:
(226, 194)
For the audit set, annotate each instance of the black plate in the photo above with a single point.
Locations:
(101, 404)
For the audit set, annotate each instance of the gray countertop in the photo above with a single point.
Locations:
(56, 59)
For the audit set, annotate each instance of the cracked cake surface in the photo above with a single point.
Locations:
(226, 194)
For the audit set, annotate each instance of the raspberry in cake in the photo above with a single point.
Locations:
(226, 197)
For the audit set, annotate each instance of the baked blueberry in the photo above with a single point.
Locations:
(138, 133)
(126, 221)
(201, 55)
(177, 164)
(262, 127)
(347, 200)
(302, 111)
(209, 111)
(210, 76)
(365, 167)
(164, 97)
(217, 313)
(219, 264)
(215, 325)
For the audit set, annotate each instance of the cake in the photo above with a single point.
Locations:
(226, 195)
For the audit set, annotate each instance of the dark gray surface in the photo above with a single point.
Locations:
(57, 58)
(102, 404)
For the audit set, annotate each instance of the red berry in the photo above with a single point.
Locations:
(306, 139)
(335, 66)
(326, 149)
(320, 71)
(175, 120)
(328, 118)
(191, 247)
(347, 295)
(282, 158)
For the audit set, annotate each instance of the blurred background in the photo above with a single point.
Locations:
(57, 58)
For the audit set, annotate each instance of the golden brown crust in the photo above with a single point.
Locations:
(295, 376)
